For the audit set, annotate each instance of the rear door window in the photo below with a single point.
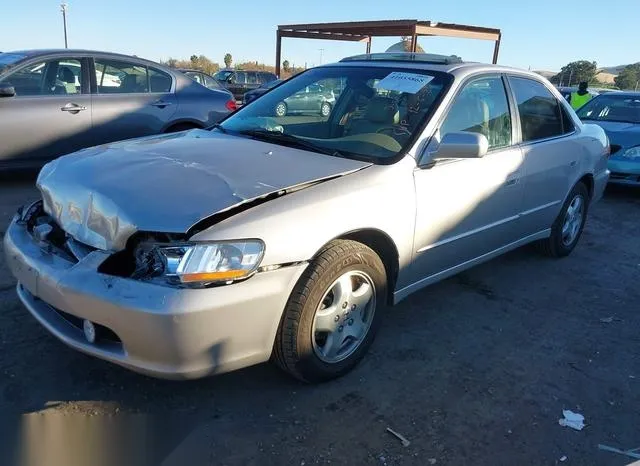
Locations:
(159, 81)
(120, 77)
(540, 114)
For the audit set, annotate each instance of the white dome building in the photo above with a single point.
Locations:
(404, 46)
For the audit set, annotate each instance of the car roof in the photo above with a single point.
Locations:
(32, 53)
(458, 68)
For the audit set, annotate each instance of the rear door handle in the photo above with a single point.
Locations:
(160, 104)
(73, 108)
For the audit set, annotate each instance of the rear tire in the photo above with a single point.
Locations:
(333, 313)
(567, 229)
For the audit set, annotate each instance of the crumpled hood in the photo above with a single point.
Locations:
(167, 183)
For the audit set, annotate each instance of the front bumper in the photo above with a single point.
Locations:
(161, 331)
(624, 172)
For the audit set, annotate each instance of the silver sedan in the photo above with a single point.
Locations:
(54, 102)
(287, 237)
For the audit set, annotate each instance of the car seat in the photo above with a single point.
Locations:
(130, 84)
(381, 112)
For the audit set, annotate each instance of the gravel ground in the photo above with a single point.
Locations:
(475, 369)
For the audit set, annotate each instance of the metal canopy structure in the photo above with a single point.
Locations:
(364, 31)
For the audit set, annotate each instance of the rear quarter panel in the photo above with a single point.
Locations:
(199, 104)
(596, 157)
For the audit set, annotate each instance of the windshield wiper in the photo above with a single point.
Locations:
(289, 140)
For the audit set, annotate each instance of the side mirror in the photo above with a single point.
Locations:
(462, 145)
(7, 91)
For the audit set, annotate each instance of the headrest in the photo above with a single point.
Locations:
(67, 75)
(382, 110)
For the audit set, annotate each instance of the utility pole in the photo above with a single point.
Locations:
(637, 82)
(321, 50)
(63, 8)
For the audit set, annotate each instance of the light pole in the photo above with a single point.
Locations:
(63, 8)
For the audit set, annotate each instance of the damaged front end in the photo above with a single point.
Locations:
(49, 235)
(163, 259)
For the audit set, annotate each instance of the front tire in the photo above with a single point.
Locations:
(568, 227)
(333, 313)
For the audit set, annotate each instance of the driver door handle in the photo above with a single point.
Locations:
(73, 108)
(160, 104)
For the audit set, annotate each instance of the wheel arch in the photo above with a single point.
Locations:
(382, 244)
(183, 122)
(588, 180)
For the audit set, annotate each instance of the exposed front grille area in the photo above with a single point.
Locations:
(44, 230)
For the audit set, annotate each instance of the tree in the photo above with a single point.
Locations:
(228, 59)
(285, 66)
(629, 77)
(576, 72)
(201, 63)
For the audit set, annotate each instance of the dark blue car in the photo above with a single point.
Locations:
(618, 113)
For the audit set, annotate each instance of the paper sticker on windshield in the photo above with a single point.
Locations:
(404, 82)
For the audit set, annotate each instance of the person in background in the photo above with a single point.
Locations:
(581, 97)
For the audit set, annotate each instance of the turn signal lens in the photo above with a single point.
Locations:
(213, 262)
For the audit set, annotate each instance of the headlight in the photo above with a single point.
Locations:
(208, 263)
(632, 153)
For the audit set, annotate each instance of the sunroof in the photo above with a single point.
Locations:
(406, 56)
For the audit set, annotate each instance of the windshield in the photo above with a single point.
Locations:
(612, 107)
(7, 60)
(376, 114)
(223, 75)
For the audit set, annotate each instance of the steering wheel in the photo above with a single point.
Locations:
(388, 130)
(396, 130)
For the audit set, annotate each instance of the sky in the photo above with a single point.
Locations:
(539, 34)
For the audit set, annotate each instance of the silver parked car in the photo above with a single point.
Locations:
(202, 252)
(313, 99)
(53, 102)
